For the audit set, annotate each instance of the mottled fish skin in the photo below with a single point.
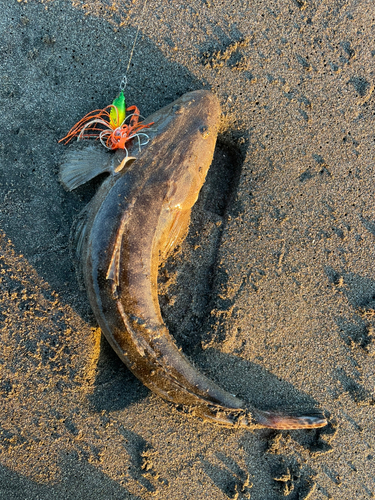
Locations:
(136, 219)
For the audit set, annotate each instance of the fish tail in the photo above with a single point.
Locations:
(252, 418)
(277, 420)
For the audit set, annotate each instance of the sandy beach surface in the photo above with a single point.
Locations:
(272, 293)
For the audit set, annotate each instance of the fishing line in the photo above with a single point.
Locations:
(124, 80)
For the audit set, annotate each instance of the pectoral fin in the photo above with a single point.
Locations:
(176, 234)
(82, 165)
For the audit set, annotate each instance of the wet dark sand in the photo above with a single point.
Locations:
(273, 292)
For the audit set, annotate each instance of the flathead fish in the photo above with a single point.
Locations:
(139, 215)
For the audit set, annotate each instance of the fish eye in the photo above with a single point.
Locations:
(203, 129)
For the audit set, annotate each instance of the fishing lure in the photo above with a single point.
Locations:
(109, 126)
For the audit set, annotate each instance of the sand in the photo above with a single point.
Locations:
(273, 292)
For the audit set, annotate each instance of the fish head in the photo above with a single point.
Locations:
(196, 122)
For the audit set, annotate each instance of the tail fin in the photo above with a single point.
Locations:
(252, 418)
(276, 420)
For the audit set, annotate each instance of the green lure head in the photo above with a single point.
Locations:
(117, 114)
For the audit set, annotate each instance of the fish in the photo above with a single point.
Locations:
(138, 217)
